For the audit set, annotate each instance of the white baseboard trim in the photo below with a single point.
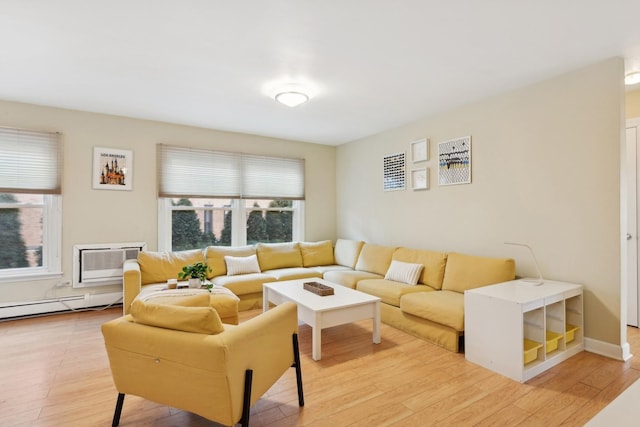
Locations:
(614, 351)
(53, 305)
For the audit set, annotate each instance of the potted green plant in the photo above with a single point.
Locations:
(196, 273)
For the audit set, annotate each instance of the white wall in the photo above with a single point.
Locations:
(546, 172)
(99, 216)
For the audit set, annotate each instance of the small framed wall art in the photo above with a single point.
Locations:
(420, 150)
(454, 161)
(112, 169)
(420, 179)
(394, 172)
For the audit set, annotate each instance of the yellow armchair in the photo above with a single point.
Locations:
(217, 376)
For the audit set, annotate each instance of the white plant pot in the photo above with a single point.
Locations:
(194, 283)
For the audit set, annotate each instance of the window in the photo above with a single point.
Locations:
(227, 199)
(30, 204)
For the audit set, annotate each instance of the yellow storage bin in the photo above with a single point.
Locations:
(570, 332)
(530, 350)
(552, 341)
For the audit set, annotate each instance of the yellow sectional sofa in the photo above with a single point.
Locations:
(422, 291)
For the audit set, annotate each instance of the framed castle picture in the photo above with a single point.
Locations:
(112, 169)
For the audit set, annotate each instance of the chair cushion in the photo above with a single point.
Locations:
(200, 320)
(272, 256)
(346, 252)
(434, 264)
(388, 291)
(404, 272)
(316, 253)
(465, 272)
(241, 265)
(444, 307)
(375, 258)
(156, 267)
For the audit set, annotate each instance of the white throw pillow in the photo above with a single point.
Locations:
(241, 265)
(404, 272)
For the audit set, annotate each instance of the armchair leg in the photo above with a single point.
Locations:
(246, 404)
(116, 414)
(296, 364)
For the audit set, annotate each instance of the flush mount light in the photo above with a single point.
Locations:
(632, 78)
(291, 98)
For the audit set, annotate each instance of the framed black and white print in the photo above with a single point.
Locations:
(112, 169)
(394, 172)
(454, 161)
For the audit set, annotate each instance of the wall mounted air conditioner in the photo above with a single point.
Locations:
(101, 264)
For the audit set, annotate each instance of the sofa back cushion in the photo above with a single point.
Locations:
(434, 264)
(278, 255)
(214, 255)
(465, 272)
(317, 253)
(375, 258)
(157, 267)
(346, 252)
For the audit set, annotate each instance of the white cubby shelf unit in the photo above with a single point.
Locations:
(520, 330)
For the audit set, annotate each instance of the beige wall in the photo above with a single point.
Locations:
(633, 103)
(546, 172)
(99, 216)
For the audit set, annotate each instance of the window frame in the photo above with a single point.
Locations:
(51, 242)
(238, 220)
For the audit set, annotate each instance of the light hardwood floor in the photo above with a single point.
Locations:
(54, 372)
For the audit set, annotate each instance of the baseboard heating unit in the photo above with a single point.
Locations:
(60, 304)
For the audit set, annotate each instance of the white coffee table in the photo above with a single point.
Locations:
(344, 306)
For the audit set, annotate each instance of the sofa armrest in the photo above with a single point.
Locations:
(132, 283)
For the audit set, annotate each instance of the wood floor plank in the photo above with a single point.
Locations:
(55, 372)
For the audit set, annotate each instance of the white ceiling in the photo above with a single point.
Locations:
(369, 65)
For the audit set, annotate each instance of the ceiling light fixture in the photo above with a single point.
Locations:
(632, 78)
(291, 98)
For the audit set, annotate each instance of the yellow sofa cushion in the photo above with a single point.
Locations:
(389, 291)
(214, 256)
(434, 264)
(375, 258)
(200, 320)
(346, 252)
(278, 255)
(157, 267)
(243, 284)
(349, 278)
(465, 272)
(316, 253)
(443, 307)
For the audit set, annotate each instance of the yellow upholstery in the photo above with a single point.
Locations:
(272, 256)
(214, 256)
(375, 258)
(199, 373)
(317, 253)
(443, 307)
(157, 267)
(201, 320)
(389, 291)
(243, 284)
(292, 273)
(434, 264)
(465, 272)
(349, 278)
(346, 252)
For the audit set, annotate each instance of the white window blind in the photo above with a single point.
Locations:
(190, 172)
(272, 178)
(30, 161)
